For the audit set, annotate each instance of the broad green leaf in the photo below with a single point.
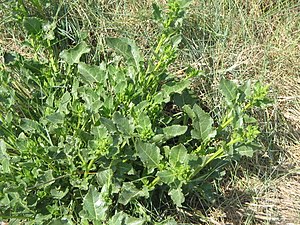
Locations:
(167, 176)
(259, 96)
(184, 3)
(248, 149)
(142, 106)
(189, 111)
(125, 168)
(5, 163)
(119, 76)
(9, 57)
(45, 179)
(56, 118)
(149, 154)
(134, 221)
(157, 12)
(124, 124)
(118, 219)
(96, 105)
(229, 90)
(4, 158)
(42, 218)
(48, 29)
(72, 56)
(109, 124)
(120, 87)
(127, 48)
(28, 125)
(158, 138)
(99, 132)
(33, 25)
(63, 103)
(174, 130)
(249, 119)
(91, 98)
(143, 120)
(63, 221)
(122, 218)
(177, 196)
(50, 100)
(178, 155)
(75, 86)
(184, 98)
(91, 73)
(103, 177)
(129, 192)
(246, 90)
(176, 87)
(109, 102)
(238, 122)
(176, 39)
(166, 150)
(161, 97)
(79, 183)
(245, 150)
(4, 202)
(144, 125)
(58, 194)
(202, 123)
(95, 204)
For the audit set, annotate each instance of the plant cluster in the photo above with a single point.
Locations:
(103, 143)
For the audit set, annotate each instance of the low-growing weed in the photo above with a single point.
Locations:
(98, 143)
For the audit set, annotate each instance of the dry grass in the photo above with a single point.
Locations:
(257, 40)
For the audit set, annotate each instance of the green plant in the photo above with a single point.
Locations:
(83, 143)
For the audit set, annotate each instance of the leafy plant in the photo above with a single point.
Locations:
(83, 143)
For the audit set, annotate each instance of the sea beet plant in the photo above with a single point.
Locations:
(99, 143)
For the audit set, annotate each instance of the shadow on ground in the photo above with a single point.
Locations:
(266, 189)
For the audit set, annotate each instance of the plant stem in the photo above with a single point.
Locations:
(86, 172)
(200, 167)
(151, 186)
